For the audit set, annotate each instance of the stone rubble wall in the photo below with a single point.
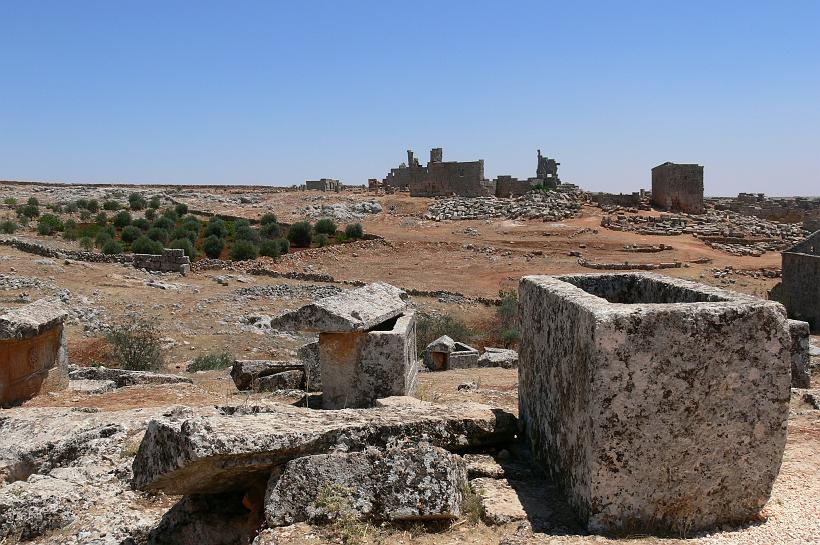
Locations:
(78, 255)
(171, 260)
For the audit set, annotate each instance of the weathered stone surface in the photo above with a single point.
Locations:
(245, 373)
(360, 367)
(498, 357)
(801, 358)
(309, 354)
(509, 500)
(354, 310)
(30, 509)
(445, 353)
(85, 386)
(417, 483)
(221, 453)
(641, 394)
(124, 377)
(286, 380)
(33, 353)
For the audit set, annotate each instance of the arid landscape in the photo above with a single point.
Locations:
(79, 442)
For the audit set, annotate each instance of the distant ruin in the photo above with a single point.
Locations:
(170, 260)
(323, 184)
(678, 187)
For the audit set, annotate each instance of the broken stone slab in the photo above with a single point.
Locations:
(508, 500)
(124, 377)
(286, 380)
(245, 372)
(353, 310)
(639, 393)
(498, 357)
(309, 354)
(221, 453)
(800, 355)
(87, 386)
(418, 483)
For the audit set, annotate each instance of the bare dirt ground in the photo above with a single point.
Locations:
(196, 314)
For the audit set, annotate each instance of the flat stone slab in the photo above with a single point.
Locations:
(245, 372)
(354, 310)
(506, 500)
(124, 377)
(31, 320)
(416, 483)
(87, 386)
(220, 453)
(498, 357)
(286, 380)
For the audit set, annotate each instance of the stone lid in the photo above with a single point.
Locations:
(31, 320)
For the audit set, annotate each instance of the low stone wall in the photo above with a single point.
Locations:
(33, 354)
(78, 255)
(639, 394)
(171, 260)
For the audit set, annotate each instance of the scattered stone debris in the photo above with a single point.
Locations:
(551, 206)
(596, 348)
(124, 377)
(289, 291)
(342, 211)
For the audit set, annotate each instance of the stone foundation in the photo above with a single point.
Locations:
(33, 354)
(658, 404)
(171, 260)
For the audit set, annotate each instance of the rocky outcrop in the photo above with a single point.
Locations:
(286, 380)
(124, 377)
(247, 373)
(221, 453)
(498, 357)
(417, 483)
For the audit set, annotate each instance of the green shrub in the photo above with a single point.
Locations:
(506, 318)
(270, 248)
(70, 224)
(86, 243)
(300, 234)
(82, 204)
(181, 209)
(429, 328)
(70, 234)
(142, 224)
(191, 223)
(32, 201)
(101, 219)
(130, 233)
(341, 237)
(27, 211)
(268, 218)
(185, 244)
(93, 206)
(112, 247)
(102, 239)
(136, 346)
(155, 202)
(171, 214)
(71, 208)
(111, 205)
(158, 234)
(243, 250)
(270, 231)
(136, 201)
(10, 201)
(284, 245)
(85, 215)
(49, 224)
(121, 219)
(321, 240)
(246, 232)
(144, 245)
(165, 222)
(354, 231)
(151, 214)
(56, 207)
(216, 227)
(182, 232)
(211, 361)
(8, 227)
(326, 226)
(213, 246)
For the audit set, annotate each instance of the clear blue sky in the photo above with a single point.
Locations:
(279, 92)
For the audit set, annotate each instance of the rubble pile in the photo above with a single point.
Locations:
(342, 211)
(726, 231)
(289, 291)
(552, 206)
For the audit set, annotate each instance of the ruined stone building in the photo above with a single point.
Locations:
(678, 187)
(546, 175)
(323, 184)
(439, 178)
(799, 290)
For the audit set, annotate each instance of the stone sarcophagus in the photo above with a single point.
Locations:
(658, 404)
(33, 355)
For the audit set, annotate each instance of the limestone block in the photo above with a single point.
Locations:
(357, 368)
(498, 357)
(124, 377)
(286, 380)
(354, 310)
(418, 483)
(211, 454)
(309, 354)
(657, 403)
(247, 372)
(86, 386)
(445, 353)
(800, 354)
